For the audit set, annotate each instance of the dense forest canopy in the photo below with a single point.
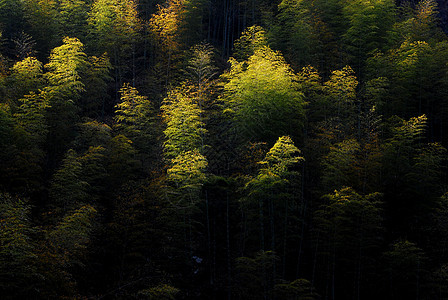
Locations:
(223, 149)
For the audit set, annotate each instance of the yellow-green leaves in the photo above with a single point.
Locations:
(72, 233)
(187, 169)
(166, 22)
(184, 127)
(264, 97)
(134, 114)
(66, 64)
(114, 21)
(17, 258)
(342, 85)
(252, 39)
(282, 156)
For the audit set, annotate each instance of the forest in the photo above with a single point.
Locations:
(223, 149)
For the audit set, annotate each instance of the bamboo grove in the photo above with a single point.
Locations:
(232, 149)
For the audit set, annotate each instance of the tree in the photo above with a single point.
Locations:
(165, 26)
(42, 17)
(370, 26)
(94, 172)
(115, 28)
(253, 278)
(413, 73)
(201, 70)
(273, 206)
(341, 92)
(341, 165)
(66, 68)
(68, 189)
(31, 133)
(252, 38)
(17, 248)
(184, 127)
(7, 147)
(187, 176)
(63, 251)
(71, 236)
(349, 233)
(92, 134)
(72, 17)
(166, 23)
(421, 22)
(96, 81)
(299, 289)
(24, 46)
(303, 36)
(406, 269)
(66, 65)
(26, 78)
(263, 97)
(135, 118)
(161, 292)
(121, 161)
(11, 17)
(411, 171)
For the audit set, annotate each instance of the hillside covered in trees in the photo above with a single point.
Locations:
(223, 149)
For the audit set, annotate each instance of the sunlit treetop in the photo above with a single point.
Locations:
(165, 23)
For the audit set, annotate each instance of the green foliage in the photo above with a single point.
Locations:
(208, 200)
(263, 97)
(414, 71)
(17, 267)
(30, 131)
(407, 136)
(92, 134)
(421, 23)
(30, 118)
(187, 176)
(161, 292)
(184, 127)
(340, 165)
(201, 68)
(273, 198)
(282, 156)
(67, 63)
(341, 91)
(121, 162)
(94, 171)
(26, 78)
(412, 168)
(113, 23)
(349, 232)
(253, 275)
(303, 36)
(72, 17)
(6, 125)
(299, 289)
(192, 25)
(42, 17)
(406, 267)
(96, 82)
(370, 26)
(68, 189)
(11, 17)
(252, 38)
(135, 117)
(71, 236)
(64, 250)
(353, 216)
